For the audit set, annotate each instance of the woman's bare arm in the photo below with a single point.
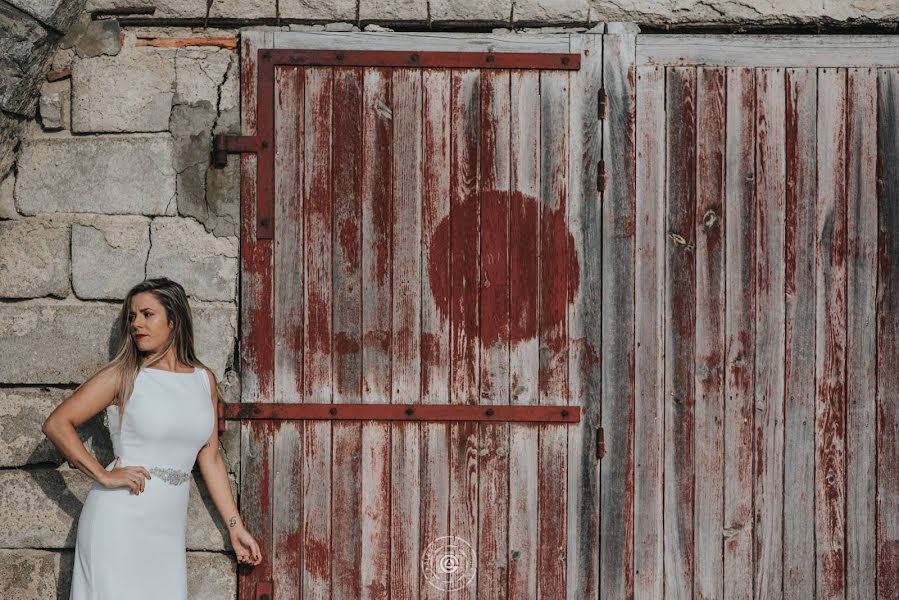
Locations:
(93, 396)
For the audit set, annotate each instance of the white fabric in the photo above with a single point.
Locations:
(133, 547)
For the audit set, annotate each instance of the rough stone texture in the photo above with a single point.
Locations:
(25, 51)
(397, 10)
(131, 91)
(57, 14)
(211, 576)
(7, 200)
(34, 258)
(99, 174)
(63, 342)
(333, 10)
(54, 105)
(109, 256)
(246, 9)
(91, 38)
(229, 439)
(455, 11)
(199, 74)
(185, 9)
(39, 508)
(551, 11)
(30, 574)
(27, 574)
(11, 128)
(205, 264)
(23, 411)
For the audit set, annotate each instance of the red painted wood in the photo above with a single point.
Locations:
(346, 474)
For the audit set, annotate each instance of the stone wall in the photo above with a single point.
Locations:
(105, 132)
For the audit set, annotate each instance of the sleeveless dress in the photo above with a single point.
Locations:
(133, 547)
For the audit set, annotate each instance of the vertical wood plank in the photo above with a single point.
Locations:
(680, 326)
(493, 467)
(887, 333)
(317, 367)
(799, 331)
(406, 361)
(739, 214)
(618, 242)
(861, 330)
(552, 298)
(523, 353)
(830, 345)
(709, 346)
(464, 326)
(256, 299)
(435, 355)
(287, 498)
(377, 215)
(346, 495)
(649, 366)
(769, 333)
(584, 319)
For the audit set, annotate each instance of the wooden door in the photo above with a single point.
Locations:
(420, 250)
(766, 321)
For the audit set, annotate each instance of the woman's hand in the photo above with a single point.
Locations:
(245, 546)
(132, 477)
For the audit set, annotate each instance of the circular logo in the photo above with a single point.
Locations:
(448, 563)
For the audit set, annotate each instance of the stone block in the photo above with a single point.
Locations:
(211, 576)
(204, 263)
(54, 105)
(109, 255)
(65, 342)
(57, 14)
(39, 508)
(551, 11)
(34, 258)
(26, 48)
(27, 574)
(387, 10)
(246, 9)
(131, 91)
(23, 412)
(335, 10)
(200, 73)
(98, 174)
(7, 199)
(183, 9)
(455, 11)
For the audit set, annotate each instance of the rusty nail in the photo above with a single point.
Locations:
(491, 58)
(489, 412)
(564, 413)
(332, 410)
(264, 144)
(565, 60)
(410, 410)
(414, 57)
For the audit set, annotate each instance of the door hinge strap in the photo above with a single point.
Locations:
(601, 176)
(224, 144)
(601, 104)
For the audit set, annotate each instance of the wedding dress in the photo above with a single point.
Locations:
(133, 547)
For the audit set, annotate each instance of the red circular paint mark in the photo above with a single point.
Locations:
(524, 274)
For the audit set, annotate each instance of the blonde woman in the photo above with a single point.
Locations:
(160, 401)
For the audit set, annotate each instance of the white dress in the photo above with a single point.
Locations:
(133, 547)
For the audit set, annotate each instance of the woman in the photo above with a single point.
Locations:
(131, 533)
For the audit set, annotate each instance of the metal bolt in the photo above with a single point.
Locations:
(564, 413)
(489, 412)
(414, 57)
(491, 58)
(332, 410)
(340, 56)
(409, 411)
(565, 60)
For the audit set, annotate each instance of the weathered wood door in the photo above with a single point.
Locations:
(767, 331)
(420, 231)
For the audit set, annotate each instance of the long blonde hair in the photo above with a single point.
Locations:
(129, 359)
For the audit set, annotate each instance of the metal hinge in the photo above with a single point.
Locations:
(224, 144)
(601, 176)
(600, 443)
(601, 105)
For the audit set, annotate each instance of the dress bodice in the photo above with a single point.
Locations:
(167, 419)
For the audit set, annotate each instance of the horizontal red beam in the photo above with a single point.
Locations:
(399, 412)
(431, 59)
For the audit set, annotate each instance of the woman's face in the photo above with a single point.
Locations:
(148, 323)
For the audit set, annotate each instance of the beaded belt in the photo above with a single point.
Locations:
(172, 476)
